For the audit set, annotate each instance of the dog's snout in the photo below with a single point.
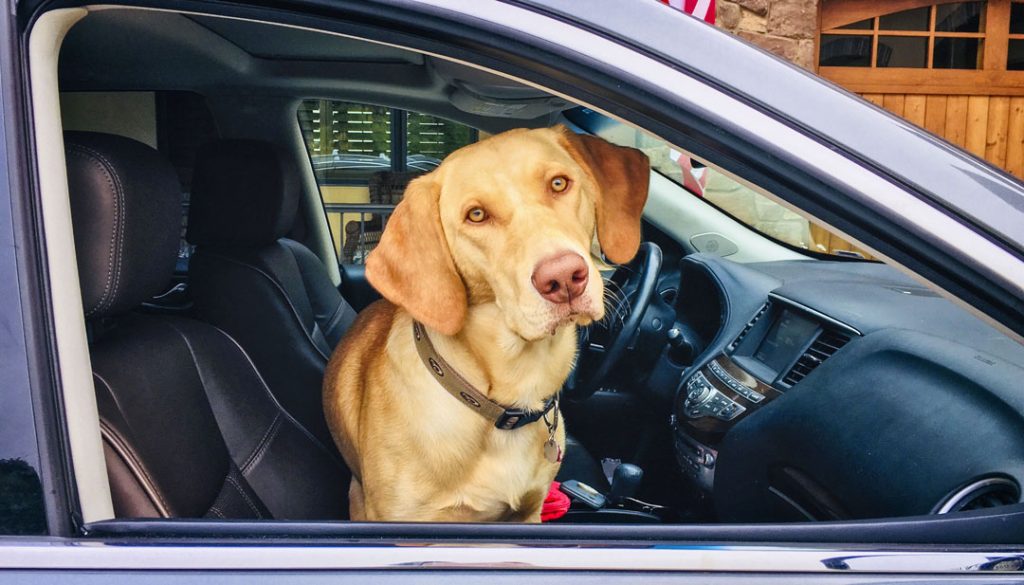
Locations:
(562, 277)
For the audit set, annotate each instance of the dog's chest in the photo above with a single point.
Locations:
(509, 473)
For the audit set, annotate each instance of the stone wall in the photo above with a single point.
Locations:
(784, 27)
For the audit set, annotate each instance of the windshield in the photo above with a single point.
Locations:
(727, 194)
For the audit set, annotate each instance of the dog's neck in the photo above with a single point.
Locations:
(514, 372)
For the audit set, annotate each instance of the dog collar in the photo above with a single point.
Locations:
(503, 418)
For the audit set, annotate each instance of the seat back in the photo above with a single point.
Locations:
(270, 293)
(189, 427)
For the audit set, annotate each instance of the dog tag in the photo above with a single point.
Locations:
(552, 452)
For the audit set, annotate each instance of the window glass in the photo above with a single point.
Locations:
(1015, 58)
(902, 51)
(1017, 18)
(738, 200)
(845, 51)
(957, 53)
(956, 31)
(916, 19)
(430, 139)
(363, 156)
(961, 17)
(346, 142)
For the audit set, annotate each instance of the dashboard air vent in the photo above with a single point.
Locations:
(989, 492)
(827, 343)
(750, 325)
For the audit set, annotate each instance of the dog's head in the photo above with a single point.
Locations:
(511, 220)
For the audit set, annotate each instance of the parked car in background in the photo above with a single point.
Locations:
(797, 415)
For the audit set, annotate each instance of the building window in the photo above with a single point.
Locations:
(363, 156)
(943, 36)
(1015, 50)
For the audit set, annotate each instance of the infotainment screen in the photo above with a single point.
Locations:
(787, 337)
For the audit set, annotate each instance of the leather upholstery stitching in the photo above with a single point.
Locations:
(335, 317)
(216, 512)
(280, 289)
(125, 453)
(261, 447)
(117, 237)
(273, 399)
(230, 479)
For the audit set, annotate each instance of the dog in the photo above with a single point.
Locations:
(442, 397)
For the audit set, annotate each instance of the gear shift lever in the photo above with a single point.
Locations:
(625, 482)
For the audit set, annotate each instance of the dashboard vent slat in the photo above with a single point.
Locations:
(829, 341)
(750, 325)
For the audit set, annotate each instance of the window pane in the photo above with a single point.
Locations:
(431, 139)
(960, 17)
(1016, 18)
(866, 24)
(845, 51)
(746, 203)
(916, 19)
(952, 53)
(1015, 58)
(902, 51)
(347, 142)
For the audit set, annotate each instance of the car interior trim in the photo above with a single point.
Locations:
(75, 368)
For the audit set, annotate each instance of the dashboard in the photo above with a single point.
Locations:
(838, 390)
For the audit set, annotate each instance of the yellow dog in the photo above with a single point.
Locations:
(442, 397)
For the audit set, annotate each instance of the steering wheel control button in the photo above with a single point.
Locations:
(734, 384)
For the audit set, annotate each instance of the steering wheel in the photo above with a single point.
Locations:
(602, 344)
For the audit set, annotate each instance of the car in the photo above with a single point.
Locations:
(752, 409)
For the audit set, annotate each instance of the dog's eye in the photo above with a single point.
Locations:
(476, 215)
(559, 184)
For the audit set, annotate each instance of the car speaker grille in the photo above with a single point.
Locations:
(828, 343)
(750, 325)
(989, 492)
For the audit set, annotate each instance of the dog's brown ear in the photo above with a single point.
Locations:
(412, 266)
(622, 175)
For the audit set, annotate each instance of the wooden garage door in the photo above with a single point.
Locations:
(954, 68)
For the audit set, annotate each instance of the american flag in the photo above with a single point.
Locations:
(703, 9)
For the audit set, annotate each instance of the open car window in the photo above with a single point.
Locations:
(690, 401)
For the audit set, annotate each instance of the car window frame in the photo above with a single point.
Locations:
(352, 18)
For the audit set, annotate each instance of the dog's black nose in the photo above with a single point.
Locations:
(561, 277)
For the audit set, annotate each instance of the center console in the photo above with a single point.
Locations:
(780, 345)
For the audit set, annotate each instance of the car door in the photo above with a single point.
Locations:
(604, 63)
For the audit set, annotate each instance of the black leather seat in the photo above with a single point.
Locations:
(189, 427)
(273, 294)
(270, 293)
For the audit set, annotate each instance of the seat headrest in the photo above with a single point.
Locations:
(244, 193)
(126, 217)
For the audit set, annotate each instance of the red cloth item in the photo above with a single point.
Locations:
(555, 505)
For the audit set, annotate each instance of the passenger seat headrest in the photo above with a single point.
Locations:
(244, 193)
(126, 217)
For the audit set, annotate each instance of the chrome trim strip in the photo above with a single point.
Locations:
(57, 555)
(817, 314)
(953, 500)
